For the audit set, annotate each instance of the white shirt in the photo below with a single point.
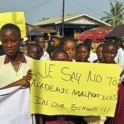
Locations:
(45, 56)
(7, 73)
(14, 102)
(92, 57)
(120, 57)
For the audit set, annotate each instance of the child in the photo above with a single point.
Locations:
(51, 49)
(69, 46)
(99, 52)
(41, 41)
(119, 113)
(13, 69)
(83, 53)
(109, 53)
(35, 51)
(60, 55)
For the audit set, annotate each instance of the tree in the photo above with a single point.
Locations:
(115, 16)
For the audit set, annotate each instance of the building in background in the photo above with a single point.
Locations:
(73, 24)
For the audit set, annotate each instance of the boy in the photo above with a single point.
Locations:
(40, 41)
(13, 69)
(35, 51)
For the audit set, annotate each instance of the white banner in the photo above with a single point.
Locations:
(14, 106)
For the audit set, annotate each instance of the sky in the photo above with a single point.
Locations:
(35, 10)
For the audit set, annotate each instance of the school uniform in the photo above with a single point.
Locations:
(120, 57)
(63, 119)
(92, 57)
(45, 56)
(8, 75)
(119, 113)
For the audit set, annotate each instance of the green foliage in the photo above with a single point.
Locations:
(118, 15)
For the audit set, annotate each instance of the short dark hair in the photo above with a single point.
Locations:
(38, 37)
(12, 27)
(57, 51)
(31, 45)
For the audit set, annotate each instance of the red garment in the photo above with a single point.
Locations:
(119, 113)
(23, 59)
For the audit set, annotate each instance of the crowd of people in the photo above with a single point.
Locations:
(16, 66)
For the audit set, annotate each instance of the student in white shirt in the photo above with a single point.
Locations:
(40, 41)
(13, 72)
(120, 54)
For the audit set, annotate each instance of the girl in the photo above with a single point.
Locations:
(109, 53)
(119, 113)
(99, 52)
(69, 46)
(59, 55)
(83, 53)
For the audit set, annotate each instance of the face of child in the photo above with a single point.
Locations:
(60, 57)
(99, 53)
(11, 41)
(83, 54)
(109, 53)
(70, 48)
(35, 53)
(41, 42)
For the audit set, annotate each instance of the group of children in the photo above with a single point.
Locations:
(67, 50)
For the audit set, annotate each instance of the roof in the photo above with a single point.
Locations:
(68, 18)
(117, 32)
(44, 30)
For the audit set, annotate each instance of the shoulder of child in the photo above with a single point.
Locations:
(28, 59)
(2, 58)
